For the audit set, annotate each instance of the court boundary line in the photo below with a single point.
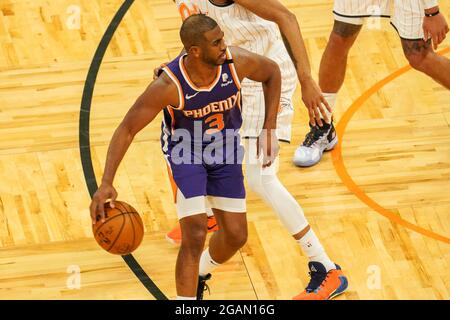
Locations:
(346, 178)
(84, 140)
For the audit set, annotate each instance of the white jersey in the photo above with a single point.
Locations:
(245, 29)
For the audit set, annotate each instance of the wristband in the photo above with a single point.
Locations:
(432, 14)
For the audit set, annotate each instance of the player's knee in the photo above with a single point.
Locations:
(236, 237)
(343, 36)
(194, 239)
(418, 61)
(419, 54)
(254, 182)
(260, 182)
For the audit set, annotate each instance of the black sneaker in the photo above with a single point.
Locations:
(202, 286)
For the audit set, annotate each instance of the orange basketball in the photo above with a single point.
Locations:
(123, 230)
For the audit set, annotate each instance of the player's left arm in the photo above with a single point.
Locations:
(261, 69)
(275, 11)
(435, 26)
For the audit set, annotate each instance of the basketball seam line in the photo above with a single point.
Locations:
(109, 219)
(120, 232)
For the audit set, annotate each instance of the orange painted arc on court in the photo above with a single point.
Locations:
(345, 176)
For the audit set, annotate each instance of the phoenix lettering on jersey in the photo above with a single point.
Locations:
(220, 106)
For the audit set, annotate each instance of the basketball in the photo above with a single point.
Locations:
(123, 229)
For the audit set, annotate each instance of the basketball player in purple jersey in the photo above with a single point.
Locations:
(200, 93)
(421, 28)
(268, 28)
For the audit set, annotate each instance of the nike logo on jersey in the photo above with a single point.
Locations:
(188, 97)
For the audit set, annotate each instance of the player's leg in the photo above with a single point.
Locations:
(226, 197)
(175, 235)
(223, 244)
(331, 77)
(349, 17)
(267, 185)
(333, 65)
(189, 182)
(194, 229)
(421, 56)
(408, 20)
(231, 236)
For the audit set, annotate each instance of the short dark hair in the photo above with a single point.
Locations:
(193, 30)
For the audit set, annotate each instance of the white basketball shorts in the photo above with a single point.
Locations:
(406, 15)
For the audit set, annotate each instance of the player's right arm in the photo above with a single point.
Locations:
(159, 94)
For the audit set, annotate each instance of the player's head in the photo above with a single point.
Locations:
(203, 38)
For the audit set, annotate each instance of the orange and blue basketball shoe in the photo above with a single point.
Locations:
(323, 285)
(174, 236)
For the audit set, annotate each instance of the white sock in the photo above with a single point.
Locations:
(313, 249)
(331, 99)
(207, 264)
(186, 298)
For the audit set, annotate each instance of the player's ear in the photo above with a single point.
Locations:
(195, 51)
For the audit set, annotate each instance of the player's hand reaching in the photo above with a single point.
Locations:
(268, 144)
(97, 207)
(315, 102)
(435, 28)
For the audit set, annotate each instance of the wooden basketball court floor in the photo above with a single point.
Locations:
(381, 209)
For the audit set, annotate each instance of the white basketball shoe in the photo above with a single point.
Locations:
(318, 140)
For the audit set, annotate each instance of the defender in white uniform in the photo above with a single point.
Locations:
(410, 18)
(246, 24)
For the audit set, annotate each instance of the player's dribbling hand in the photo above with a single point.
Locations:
(435, 28)
(315, 102)
(104, 192)
(267, 143)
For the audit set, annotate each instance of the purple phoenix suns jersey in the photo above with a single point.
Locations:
(203, 112)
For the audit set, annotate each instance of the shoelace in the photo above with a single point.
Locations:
(205, 288)
(325, 280)
(203, 284)
(317, 280)
(315, 134)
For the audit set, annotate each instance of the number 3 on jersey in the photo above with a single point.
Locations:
(215, 122)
